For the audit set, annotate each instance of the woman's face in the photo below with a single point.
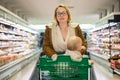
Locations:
(61, 15)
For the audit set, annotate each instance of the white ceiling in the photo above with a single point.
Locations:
(82, 11)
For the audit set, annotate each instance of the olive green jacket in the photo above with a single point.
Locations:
(47, 43)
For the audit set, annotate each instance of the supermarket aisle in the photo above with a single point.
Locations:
(103, 74)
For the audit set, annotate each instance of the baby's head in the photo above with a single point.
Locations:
(74, 43)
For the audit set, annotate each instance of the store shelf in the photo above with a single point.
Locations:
(12, 15)
(105, 42)
(26, 72)
(102, 60)
(18, 44)
(117, 71)
(99, 55)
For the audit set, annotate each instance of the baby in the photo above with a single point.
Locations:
(74, 46)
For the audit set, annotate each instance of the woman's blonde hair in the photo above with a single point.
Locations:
(67, 10)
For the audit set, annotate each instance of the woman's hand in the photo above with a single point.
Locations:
(54, 57)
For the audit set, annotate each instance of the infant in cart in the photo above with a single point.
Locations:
(74, 47)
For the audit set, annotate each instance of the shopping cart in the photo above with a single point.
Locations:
(64, 68)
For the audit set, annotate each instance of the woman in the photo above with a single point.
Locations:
(57, 33)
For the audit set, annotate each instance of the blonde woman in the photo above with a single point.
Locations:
(57, 33)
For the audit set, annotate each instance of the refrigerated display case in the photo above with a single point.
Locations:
(115, 48)
(17, 48)
(18, 44)
(105, 43)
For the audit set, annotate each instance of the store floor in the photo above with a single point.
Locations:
(102, 73)
(25, 73)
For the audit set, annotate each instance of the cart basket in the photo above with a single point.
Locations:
(64, 68)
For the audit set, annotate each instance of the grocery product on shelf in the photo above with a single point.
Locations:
(18, 47)
(15, 43)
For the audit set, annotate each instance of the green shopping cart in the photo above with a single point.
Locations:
(64, 68)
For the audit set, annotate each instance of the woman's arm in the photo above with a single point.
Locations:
(79, 33)
(47, 43)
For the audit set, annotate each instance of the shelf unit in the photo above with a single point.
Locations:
(18, 43)
(105, 42)
(115, 46)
